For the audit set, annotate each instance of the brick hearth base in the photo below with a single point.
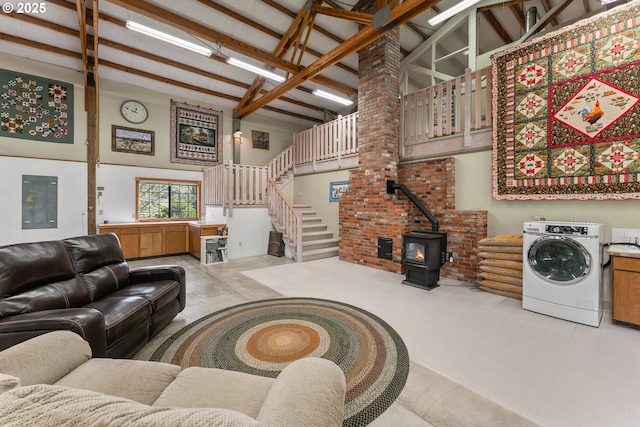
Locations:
(367, 213)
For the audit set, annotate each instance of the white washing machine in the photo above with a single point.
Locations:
(562, 270)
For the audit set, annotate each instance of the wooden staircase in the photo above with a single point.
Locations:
(317, 241)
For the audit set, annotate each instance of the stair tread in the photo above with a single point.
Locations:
(308, 226)
(316, 233)
(320, 241)
(320, 251)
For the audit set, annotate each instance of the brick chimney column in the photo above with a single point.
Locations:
(366, 211)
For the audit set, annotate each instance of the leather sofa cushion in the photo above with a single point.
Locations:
(158, 293)
(121, 314)
(106, 280)
(69, 293)
(28, 265)
(99, 250)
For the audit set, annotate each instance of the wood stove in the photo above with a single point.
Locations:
(423, 253)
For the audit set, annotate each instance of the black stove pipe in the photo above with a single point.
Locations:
(391, 189)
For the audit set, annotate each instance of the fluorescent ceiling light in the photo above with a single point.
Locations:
(261, 71)
(451, 11)
(332, 97)
(147, 31)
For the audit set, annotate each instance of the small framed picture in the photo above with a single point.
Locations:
(260, 139)
(337, 189)
(130, 140)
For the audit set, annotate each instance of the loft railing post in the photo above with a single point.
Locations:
(467, 107)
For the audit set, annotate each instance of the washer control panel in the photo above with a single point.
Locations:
(567, 229)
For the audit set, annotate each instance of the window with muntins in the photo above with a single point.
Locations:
(167, 199)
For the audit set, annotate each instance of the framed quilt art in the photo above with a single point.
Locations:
(35, 108)
(196, 135)
(567, 112)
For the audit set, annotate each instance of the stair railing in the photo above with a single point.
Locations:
(286, 219)
(332, 140)
(229, 184)
(457, 106)
(282, 164)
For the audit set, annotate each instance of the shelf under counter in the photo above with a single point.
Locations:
(198, 229)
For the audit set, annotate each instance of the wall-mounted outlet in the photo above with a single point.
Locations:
(240, 244)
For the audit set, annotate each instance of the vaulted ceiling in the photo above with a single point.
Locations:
(313, 43)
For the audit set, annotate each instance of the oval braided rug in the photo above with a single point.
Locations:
(262, 337)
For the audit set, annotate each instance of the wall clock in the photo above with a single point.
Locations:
(134, 111)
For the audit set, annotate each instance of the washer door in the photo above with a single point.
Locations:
(559, 259)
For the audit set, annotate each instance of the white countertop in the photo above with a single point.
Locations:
(624, 250)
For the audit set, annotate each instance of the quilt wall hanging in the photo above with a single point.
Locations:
(35, 108)
(196, 135)
(567, 113)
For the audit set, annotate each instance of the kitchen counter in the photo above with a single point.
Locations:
(628, 251)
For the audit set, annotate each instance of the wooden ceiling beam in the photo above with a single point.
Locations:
(118, 22)
(180, 22)
(547, 8)
(75, 55)
(417, 30)
(266, 30)
(403, 13)
(294, 32)
(286, 11)
(81, 11)
(551, 17)
(517, 13)
(357, 17)
(585, 7)
(501, 5)
(495, 25)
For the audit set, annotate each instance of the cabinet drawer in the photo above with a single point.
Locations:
(627, 264)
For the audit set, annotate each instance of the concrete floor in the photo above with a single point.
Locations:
(477, 352)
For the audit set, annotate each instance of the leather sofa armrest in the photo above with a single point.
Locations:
(161, 272)
(88, 323)
(46, 358)
(309, 392)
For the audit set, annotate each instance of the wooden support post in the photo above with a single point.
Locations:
(92, 152)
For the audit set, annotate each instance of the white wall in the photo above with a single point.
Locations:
(72, 199)
(117, 171)
(473, 191)
(314, 190)
(280, 137)
(117, 202)
(248, 232)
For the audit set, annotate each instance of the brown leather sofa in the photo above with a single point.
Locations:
(84, 285)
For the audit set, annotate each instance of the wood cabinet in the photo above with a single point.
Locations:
(141, 240)
(197, 230)
(129, 239)
(626, 289)
(175, 239)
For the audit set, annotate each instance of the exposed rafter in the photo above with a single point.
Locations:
(357, 17)
(91, 16)
(207, 33)
(517, 13)
(265, 30)
(401, 14)
(71, 54)
(495, 25)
